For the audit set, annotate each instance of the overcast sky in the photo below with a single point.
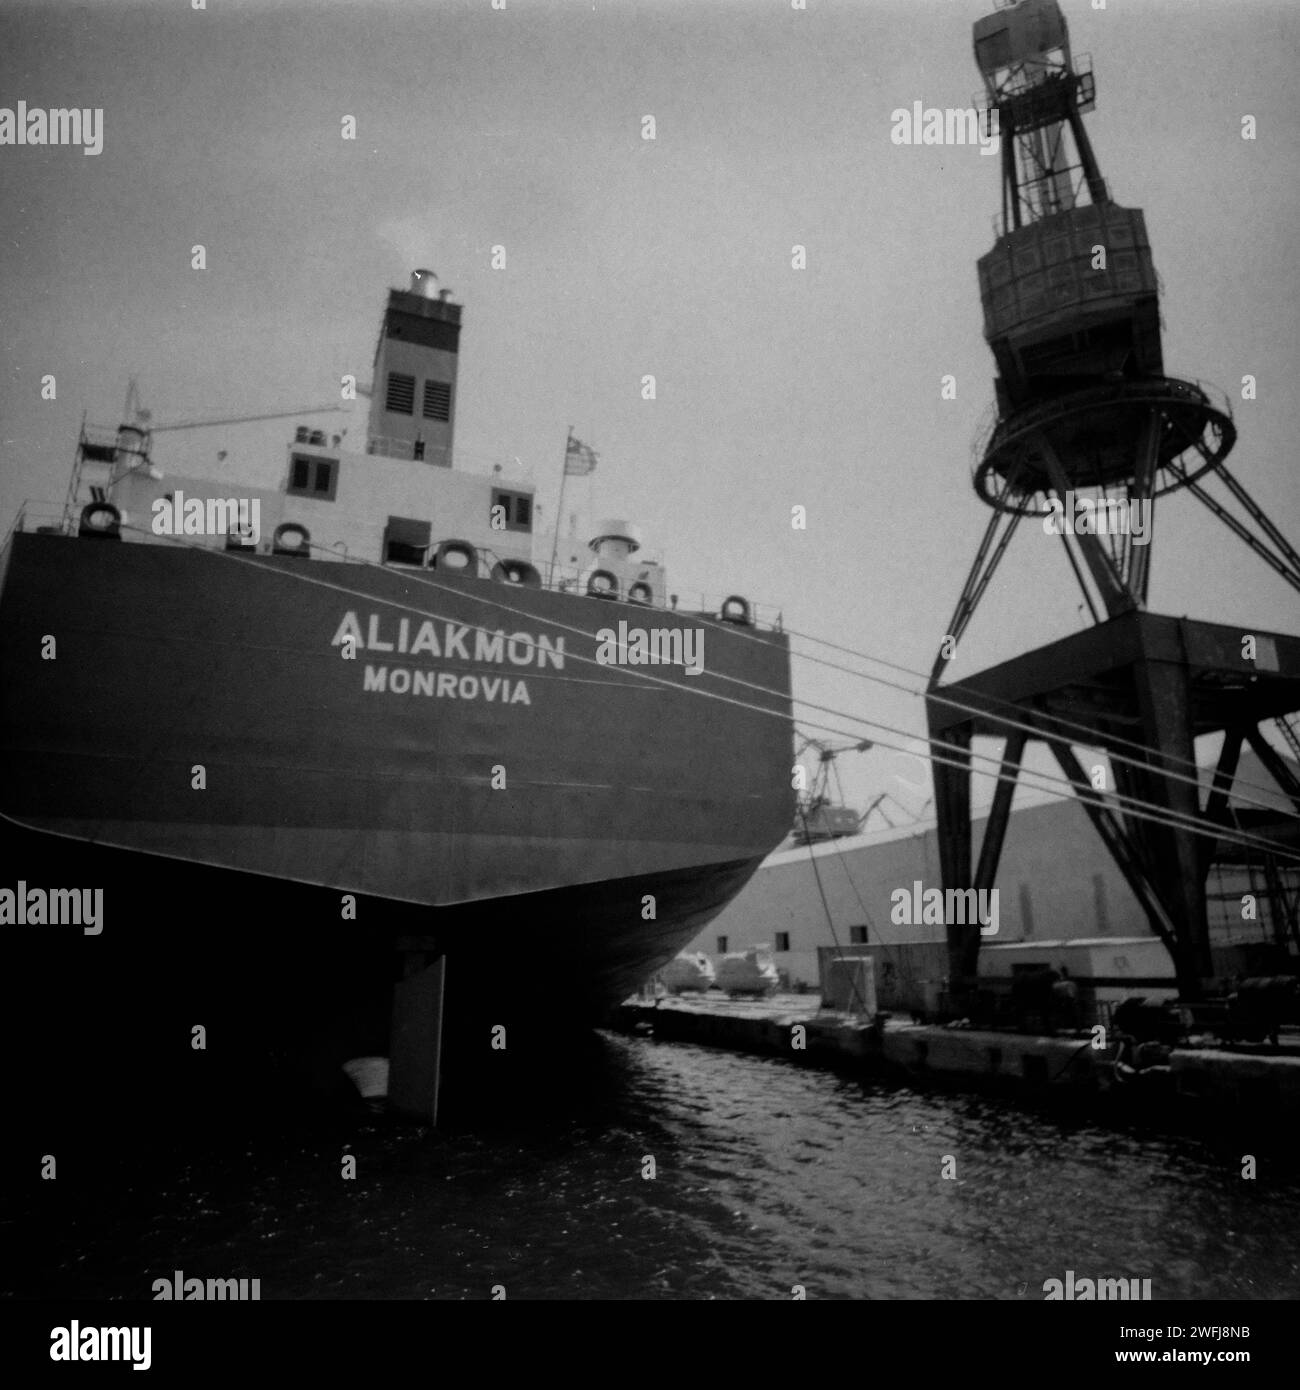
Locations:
(522, 128)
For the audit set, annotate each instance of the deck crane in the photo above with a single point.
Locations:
(127, 449)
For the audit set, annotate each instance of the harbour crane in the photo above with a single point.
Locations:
(817, 816)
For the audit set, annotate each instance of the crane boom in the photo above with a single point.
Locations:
(247, 419)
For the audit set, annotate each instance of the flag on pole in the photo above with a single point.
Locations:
(579, 459)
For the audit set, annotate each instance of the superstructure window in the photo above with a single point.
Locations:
(518, 508)
(313, 477)
(857, 936)
(437, 400)
(401, 394)
(406, 541)
(722, 945)
(783, 941)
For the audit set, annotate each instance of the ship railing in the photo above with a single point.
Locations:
(52, 518)
(18, 524)
(41, 515)
(389, 446)
(442, 456)
(691, 600)
(764, 615)
(570, 579)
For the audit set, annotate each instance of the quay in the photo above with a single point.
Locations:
(1259, 1084)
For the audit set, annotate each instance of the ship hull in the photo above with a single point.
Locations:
(285, 990)
(405, 756)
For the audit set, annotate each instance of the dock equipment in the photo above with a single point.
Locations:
(1088, 423)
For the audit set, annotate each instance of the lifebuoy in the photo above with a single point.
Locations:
(640, 592)
(292, 538)
(100, 520)
(457, 557)
(517, 572)
(602, 584)
(736, 610)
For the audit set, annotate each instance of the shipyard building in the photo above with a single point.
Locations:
(1055, 883)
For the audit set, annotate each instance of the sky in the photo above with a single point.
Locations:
(522, 127)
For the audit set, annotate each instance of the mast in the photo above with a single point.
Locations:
(559, 508)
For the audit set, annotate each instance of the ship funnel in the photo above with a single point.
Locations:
(413, 403)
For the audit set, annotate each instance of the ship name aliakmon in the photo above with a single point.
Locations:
(449, 641)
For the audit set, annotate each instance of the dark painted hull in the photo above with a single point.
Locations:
(286, 990)
(631, 811)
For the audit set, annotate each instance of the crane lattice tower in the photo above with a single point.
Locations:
(1089, 424)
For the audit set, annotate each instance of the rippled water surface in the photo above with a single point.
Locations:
(766, 1176)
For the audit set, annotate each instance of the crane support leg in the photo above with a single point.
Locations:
(995, 828)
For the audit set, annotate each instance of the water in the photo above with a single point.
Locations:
(766, 1176)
